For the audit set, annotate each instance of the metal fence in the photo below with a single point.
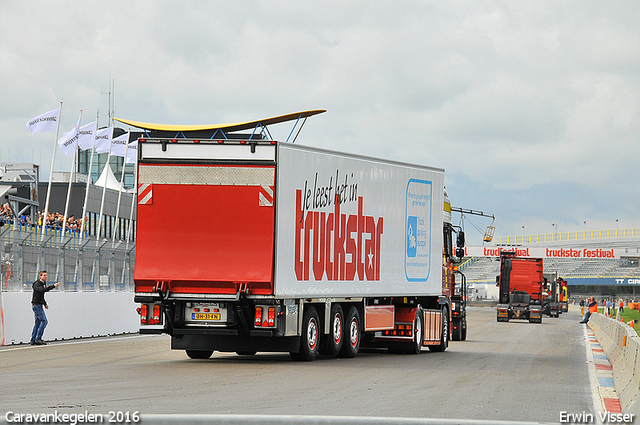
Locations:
(78, 263)
(568, 236)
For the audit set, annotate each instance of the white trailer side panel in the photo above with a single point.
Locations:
(384, 237)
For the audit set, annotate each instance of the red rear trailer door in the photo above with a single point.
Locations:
(202, 224)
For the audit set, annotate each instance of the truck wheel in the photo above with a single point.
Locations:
(417, 333)
(444, 338)
(199, 354)
(464, 330)
(310, 338)
(332, 343)
(352, 334)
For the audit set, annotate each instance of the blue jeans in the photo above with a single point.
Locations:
(40, 322)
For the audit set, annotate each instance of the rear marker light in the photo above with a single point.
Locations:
(174, 141)
(156, 314)
(143, 314)
(196, 141)
(258, 319)
(220, 141)
(271, 320)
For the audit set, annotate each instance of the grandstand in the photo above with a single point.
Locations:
(596, 272)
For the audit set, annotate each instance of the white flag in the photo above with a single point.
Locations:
(87, 136)
(45, 122)
(132, 153)
(103, 140)
(119, 145)
(69, 141)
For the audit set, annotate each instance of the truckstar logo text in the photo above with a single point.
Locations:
(323, 241)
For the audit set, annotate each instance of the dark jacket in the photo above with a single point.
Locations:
(39, 288)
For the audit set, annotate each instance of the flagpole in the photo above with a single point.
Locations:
(53, 158)
(71, 176)
(66, 205)
(124, 163)
(134, 197)
(89, 181)
(104, 190)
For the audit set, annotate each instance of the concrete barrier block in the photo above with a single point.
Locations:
(619, 338)
(631, 365)
(623, 378)
(633, 407)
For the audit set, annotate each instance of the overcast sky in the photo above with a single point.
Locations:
(532, 108)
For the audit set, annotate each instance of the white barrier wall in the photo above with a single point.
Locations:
(621, 344)
(70, 315)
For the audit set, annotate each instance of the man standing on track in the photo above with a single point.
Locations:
(38, 304)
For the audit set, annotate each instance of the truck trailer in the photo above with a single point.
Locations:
(289, 248)
(520, 283)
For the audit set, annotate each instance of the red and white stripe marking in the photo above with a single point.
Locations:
(145, 194)
(266, 196)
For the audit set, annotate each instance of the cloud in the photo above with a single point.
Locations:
(526, 105)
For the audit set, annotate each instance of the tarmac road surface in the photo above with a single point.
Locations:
(504, 371)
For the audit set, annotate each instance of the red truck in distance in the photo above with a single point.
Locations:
(521, 283)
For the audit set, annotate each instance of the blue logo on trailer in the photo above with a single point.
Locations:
(412, 229)
(419, 201)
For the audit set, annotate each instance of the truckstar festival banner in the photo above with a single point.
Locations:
(547, 252)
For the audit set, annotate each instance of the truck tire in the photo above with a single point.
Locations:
(417, 333)
(310, 338)
(199, 354)
(352, 334)
(332, 343)
(444, 337)
(464, 330)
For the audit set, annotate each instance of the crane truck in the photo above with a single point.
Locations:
(289, 248)
(520, 288)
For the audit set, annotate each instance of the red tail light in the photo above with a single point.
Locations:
(143, 314)
(271, 320)
(156, 314)
(258, 319)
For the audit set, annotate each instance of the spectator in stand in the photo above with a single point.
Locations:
(6, 214)
(71, 222)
